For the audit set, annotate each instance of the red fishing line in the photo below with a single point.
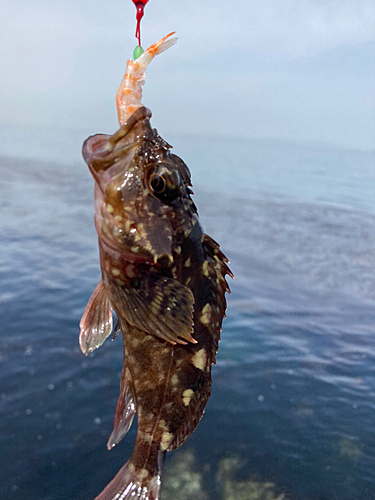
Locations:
(139, 5)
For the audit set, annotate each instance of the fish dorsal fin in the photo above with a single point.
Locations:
(159, 306)
(96, 322)
(125, 410)
(215, 269)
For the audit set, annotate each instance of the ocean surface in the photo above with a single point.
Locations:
(292, 414)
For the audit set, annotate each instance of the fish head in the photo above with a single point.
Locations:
(142, 195)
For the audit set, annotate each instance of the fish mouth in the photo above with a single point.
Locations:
(101, 151)
(140, 115)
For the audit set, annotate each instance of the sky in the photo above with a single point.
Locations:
(300, 70)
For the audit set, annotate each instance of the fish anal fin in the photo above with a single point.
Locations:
(96, 322)
(125, 411)
(159, 306)
(116, 330)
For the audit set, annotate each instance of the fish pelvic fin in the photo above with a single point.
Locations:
(132, 484)
(96, 322)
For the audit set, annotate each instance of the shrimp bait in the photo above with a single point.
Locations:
(129, 94)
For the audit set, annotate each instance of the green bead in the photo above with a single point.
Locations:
(138, 51)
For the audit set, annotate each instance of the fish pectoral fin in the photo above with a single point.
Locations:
(160, 306)
(125, 411)
(96, 322)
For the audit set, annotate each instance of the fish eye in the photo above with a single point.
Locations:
(157, 183)
(164, 181)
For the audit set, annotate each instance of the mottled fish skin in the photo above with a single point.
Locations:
(165, 279)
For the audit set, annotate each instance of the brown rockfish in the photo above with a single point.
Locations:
(165, 279)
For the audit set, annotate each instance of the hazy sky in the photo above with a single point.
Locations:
(299, 70)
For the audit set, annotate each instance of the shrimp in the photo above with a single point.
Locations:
(129, 94)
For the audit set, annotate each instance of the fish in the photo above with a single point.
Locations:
(163, 277)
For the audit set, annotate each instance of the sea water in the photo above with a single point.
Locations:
(292, 414)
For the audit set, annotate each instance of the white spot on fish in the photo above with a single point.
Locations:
(187, 262)
(130, 271)
(109, 208)
(163, 425)
(166, 440)
(115, 271)
(199, 359)
(205, 268)
(155, 307)
(143, 473)
(186, 396)
(205, 316)
(174, 380)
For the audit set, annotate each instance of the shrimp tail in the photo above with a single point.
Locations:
(158, 47)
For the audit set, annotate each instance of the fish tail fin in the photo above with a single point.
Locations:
(132, 484)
